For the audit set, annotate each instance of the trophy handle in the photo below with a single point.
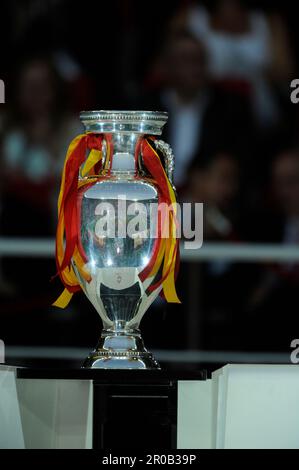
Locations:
(167, 152)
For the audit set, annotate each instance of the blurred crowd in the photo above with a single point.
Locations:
(222, 69)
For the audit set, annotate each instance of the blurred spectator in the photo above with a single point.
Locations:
(80, 86)
(273, 301)
(248, 51)
(215, 182)
(37, 132)
(275, 219)
(285, 187)
(202, 117)
(285, 175)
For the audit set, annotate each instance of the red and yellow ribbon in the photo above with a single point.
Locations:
(166, 249)
(68, 245)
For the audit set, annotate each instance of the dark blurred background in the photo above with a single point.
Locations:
(222, 69)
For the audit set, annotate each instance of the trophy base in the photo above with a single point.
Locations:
(120, 350)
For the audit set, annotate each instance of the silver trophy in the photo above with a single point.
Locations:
(114, 263)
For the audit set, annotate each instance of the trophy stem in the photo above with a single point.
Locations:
(119, 348)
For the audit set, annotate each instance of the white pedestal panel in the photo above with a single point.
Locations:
(242, 406)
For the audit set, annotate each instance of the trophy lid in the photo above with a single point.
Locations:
(142, 122)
